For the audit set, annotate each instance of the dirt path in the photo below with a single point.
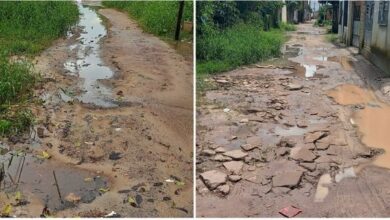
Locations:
(126, 135)
(281, 133)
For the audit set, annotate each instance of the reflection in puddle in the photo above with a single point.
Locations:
(310, 70)
(35, 176)
(88, 64)
(307, 70)
(321, 58)
(345, 62)
(373, 121)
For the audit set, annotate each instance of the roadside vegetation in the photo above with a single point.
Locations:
(26, 28)
(250, 33)
(156, 17)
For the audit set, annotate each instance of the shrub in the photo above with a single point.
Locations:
(157, 17)
(239, 45)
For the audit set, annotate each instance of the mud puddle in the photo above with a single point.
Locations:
(372, 118)
(88, 64)
(33, 176)
(345, 62)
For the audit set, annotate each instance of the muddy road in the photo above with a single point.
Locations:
(115, 126)
(307, 130)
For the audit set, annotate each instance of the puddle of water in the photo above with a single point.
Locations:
(345, 62)
(345, 173)
(37, 178)
(322, 188)
(374, 125)
(348, 94)
(310, 70)
(88, 64)
(321, 58)
(306, 70)
(291, 131)
(373, 121)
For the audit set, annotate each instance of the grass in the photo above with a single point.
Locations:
(156, 17)
(288, 27)
(240, 45)
(333, 38)
(26, 28)
(17, 81)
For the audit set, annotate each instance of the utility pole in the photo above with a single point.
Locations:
(179, 18)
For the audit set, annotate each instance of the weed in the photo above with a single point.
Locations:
(333, 38)
(157, 17)
(26, 28)
(239, 45)
(288, 26)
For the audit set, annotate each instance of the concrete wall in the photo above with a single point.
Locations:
(380, 34)
(378, 52)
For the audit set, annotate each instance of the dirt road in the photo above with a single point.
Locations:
(116, 121)
(307, 130)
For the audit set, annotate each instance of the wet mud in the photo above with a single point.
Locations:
(293, 131)
(114, 123)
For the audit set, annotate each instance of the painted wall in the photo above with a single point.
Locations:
(378, 52)
(380, 34)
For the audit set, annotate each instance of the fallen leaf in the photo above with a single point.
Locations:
(104, 190)
(88, 179)
(6, 210)
(18, 196)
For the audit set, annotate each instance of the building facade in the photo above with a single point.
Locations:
(365, 25)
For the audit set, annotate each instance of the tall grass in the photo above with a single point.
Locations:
(26, 28)
(17, 82)
(242, 44)
(29, 27)
(157, 17)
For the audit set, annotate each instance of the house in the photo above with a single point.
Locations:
(295, 11)
(365, 25)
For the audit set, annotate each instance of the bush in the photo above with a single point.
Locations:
(17, 82)
(239, 45)
(288, 27)
(29, 27)
(26, 28)
(157, 17)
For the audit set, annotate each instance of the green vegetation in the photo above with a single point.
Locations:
(333, 38)
(157, 17)
(234, 33)
(17, 81)
(322, 13)
(26, 28)
(238, 45)
(29, 27)
(288, 27)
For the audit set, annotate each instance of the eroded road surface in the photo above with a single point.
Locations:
(308, 130)
(115, 126)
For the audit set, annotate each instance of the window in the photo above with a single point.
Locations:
(383, 13)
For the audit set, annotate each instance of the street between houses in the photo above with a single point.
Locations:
(304, 130)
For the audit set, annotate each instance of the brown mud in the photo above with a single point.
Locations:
(270, 135)
(133, 157)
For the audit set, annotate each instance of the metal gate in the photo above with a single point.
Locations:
(368, 25)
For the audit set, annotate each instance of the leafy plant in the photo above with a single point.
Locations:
(157, 17)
